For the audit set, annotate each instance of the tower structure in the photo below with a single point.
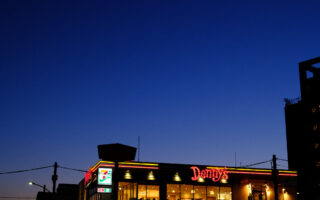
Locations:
(303, 131)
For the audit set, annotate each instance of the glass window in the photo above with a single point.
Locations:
(315, 127)
(225, 193)
(260, 191)
(196, 192)
(212, 192)
(187, 192)
(153, 192)
(127, 191)
(142, 192)
(173, 192)
(95, 196)
(200, 192)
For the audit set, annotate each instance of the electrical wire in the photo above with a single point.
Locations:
(68, 168)
(282, 159)
(25, 170)
(256, 163)
(33, 169)
(282, 166)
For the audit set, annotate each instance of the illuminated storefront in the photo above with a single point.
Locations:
(161, 181)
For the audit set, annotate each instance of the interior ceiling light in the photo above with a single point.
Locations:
(151, 176)
(127, 175)
(176, 177)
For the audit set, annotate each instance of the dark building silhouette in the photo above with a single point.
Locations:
(64, 192)
(303, 131)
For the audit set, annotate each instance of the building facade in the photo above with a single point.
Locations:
(303, 131)
(163, 181)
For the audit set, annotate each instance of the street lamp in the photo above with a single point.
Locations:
(42, 186)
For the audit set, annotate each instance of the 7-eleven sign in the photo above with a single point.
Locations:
(105, 176)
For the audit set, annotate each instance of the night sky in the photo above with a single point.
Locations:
(198, 81)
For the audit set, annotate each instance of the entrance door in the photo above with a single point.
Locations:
(259, 195)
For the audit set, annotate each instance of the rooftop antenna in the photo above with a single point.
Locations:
(138, 148)
(235, 159)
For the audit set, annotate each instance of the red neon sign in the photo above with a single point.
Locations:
(88, 176)
(214, 174)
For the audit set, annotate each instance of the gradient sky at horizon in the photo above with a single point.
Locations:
(196, 80)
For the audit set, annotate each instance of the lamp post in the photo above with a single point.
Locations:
(42, 186)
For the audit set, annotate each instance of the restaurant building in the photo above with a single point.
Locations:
(128, 180)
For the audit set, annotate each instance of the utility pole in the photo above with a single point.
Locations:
(54, 177)
(235, 159)
(138, 148)
(275, 176)
(115, 180)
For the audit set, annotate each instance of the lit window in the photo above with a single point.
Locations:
(127, 190)
(200, 192)
(249, 189)
(315, 127)
(313, 109)
(197, 192)
(316, 145)
(318, 164)
(267, 190)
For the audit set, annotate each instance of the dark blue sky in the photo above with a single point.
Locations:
(196, 80)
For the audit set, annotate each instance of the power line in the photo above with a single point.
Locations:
(39, 168)
(257, 163)
(282, 159)
(25, 170)
(68, 168)
(282, 166)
